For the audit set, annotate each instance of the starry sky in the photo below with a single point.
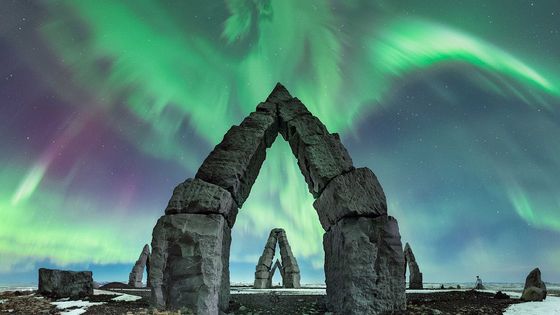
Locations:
(455, 105)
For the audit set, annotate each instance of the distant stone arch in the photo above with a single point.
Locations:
(289, 269)
(143, 262)
(363, 252)
(415, 276)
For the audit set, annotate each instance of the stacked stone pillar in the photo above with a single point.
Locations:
(364, 263)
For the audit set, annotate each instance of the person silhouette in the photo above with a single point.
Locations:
(479, 285)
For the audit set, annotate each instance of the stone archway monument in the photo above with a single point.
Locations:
(289, 269)
(189, 265)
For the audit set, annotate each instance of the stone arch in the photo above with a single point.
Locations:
(289, 269)
(143, 262)
(363, 252)
(415, 276)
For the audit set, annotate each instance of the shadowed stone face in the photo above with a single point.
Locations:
(364, 264)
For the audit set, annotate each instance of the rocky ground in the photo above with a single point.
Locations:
(454, 302)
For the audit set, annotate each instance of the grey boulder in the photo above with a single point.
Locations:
(62, 283)
(535, 289)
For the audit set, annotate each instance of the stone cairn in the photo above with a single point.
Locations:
(289, 269)
(415, 277)
(135, 276)
(535, 289)
(364, 262)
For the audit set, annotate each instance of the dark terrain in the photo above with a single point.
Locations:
(454, 302)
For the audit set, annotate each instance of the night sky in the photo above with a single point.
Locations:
(106, 106)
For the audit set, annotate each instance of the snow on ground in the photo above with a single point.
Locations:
(278, 291)
(550, 306)
(2, 301)
(127, 298)
(120, 296)
(81, 306)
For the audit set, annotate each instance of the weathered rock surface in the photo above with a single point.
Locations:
(263, 122)
(264, 270)
(356, 193)
(63, 283)
(364, 266)
(320, 159)
(135, 276)
(415, 277)
(235, 162)
(535, 289)
(321, 156)
(189, 262)
(198, 196)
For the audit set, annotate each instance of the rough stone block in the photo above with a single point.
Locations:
(289, 110)
(364, 266)
(320, 159)
(264, 123)
(356, 193)
(189, 262)
(303, 127)
(62, 283)
(198, 196)
(235, 163)
(269, 108)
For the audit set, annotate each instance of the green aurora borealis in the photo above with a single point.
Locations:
(107, 105)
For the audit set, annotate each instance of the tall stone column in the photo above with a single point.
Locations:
(189, 265)
(364, 266)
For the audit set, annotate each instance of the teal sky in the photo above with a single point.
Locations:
(106, 106)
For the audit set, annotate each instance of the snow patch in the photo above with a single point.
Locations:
(127, 298)
(105, 292)
(550, 306)
(279, 291)
(81, 306)
(2, 301)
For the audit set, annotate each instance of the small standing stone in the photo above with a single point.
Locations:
(535, 289)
